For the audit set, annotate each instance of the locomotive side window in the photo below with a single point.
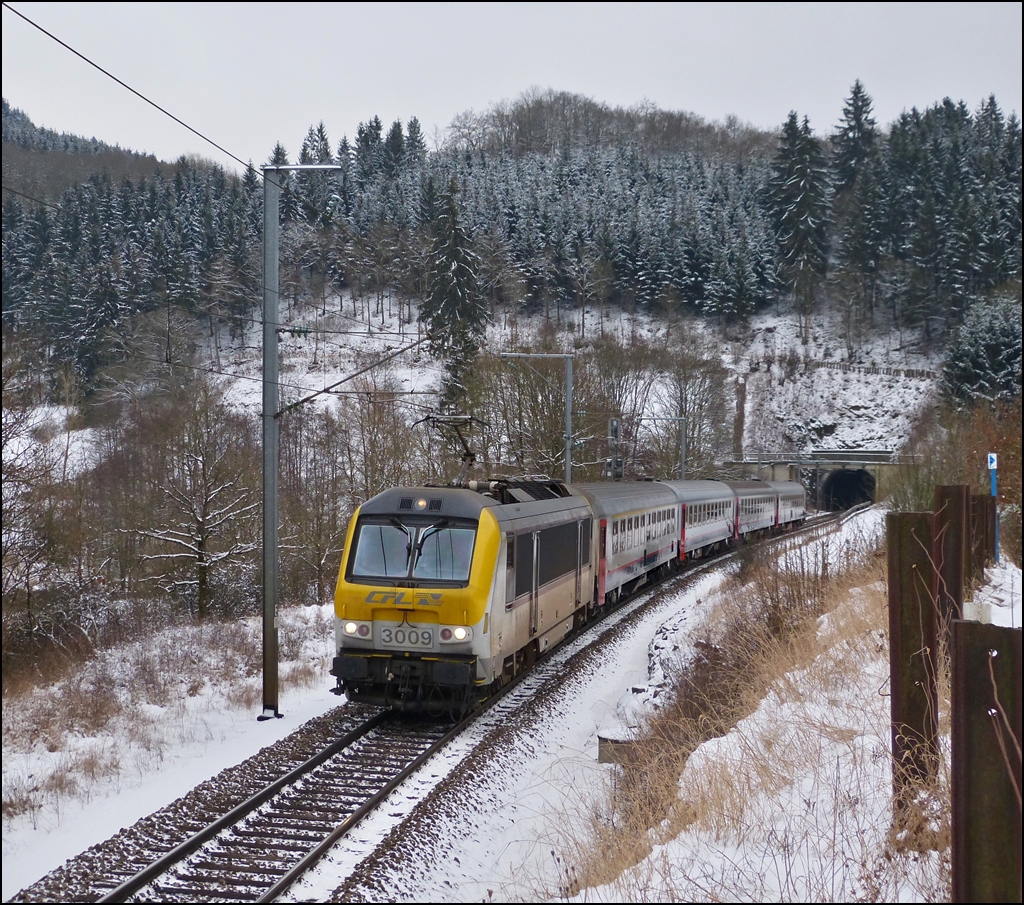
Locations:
(557, 550)
(585, 538)
(524, 564)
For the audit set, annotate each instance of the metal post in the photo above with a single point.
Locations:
(271, 403)
(952, 548)
(986, 776)
(682, 449)
(614, 473)
(568, 419)
(272, 185)
(992, 462)
(913, 640)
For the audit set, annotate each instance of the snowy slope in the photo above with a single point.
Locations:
(799, 396)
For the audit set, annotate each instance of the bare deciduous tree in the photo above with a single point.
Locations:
(208, 504)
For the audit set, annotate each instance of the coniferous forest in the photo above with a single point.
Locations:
(564, 202)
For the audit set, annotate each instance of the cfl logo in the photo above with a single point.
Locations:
(399, 598)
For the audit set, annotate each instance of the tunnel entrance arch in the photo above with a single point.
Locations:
(846, 488)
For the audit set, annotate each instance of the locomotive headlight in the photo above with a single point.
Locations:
(362, 629)
(453, 634)
(351, 628)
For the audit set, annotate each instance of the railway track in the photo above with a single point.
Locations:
(259, 848)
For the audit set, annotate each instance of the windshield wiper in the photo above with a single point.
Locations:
(429, 530)
(408, 534)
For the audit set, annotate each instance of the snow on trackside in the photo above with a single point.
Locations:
(998, 600)
(154, 752)
(499, 834)
(496, 834)
(493, 837)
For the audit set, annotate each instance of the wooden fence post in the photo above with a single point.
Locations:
(913, 639)
(978, 517)
(952, 524)
(986, 763)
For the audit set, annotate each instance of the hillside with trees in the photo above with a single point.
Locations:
(41, 163)
(555, 207)
(564, 202)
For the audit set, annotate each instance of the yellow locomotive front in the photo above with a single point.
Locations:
(412, 600)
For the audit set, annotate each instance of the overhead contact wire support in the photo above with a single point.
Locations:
(272, 187)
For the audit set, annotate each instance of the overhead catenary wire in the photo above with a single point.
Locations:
(291, 386)
(125, 85)
(52, 207)
(245, 164)
(288, 190)
(181, 122)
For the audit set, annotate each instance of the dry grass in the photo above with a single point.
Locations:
(769, 777)
(123, 707)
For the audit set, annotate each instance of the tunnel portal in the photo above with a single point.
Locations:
(846, 488)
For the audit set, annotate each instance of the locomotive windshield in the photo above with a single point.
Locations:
(440, 551)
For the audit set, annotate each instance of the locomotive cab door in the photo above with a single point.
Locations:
(510, 570)
(534, 539)
(579, 565)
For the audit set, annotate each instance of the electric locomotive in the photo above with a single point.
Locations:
(445, 593)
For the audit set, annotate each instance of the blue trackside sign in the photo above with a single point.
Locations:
(993, 462)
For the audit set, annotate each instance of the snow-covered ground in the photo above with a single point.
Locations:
(499, 833)
(150, 754)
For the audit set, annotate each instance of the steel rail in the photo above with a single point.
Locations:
(162, 864)
(314, 855)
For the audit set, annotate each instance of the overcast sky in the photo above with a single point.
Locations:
(250, 74)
